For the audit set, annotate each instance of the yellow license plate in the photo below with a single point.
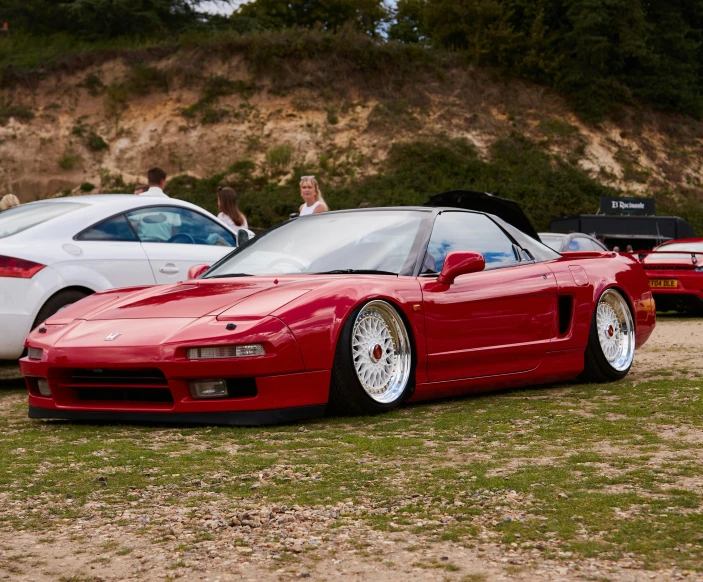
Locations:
(663, 283)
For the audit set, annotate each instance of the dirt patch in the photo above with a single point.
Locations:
(675, 343)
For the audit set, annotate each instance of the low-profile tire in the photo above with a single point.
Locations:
(56, 302)
(611, 341)
(373, 368)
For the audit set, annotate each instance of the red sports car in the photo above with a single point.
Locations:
(675, 271)
(353, 311)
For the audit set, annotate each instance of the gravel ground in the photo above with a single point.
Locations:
(253, 541)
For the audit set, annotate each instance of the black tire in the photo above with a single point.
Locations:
(347, 394)
(56, 302)
(597, 368)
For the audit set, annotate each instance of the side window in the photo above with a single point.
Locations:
(580, 244)
(116, 228)
(170, 224)
(465, 231)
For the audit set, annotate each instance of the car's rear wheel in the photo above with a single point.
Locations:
(611, 342)
(56, 302)
(373, 363)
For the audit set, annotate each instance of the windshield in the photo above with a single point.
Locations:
(377, 240)
(554, 242)
(687, 247)
(26, 216)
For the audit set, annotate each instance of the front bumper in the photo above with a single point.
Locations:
(251, 418)
(150, 379)
(281, 398)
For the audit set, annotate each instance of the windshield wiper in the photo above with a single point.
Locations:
(355, 272)
(230, 275)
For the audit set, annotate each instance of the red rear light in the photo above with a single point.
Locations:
(18, 268)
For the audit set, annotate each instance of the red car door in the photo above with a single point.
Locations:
(498, 321)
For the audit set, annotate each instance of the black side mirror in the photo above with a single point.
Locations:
(242, 237)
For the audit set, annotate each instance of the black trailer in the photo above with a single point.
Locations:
(641, 232)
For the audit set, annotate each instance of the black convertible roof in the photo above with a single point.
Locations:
(504, 208)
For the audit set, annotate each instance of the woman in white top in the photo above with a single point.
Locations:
(228, 208)
(312, 196)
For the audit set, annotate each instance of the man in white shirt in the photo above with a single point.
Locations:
(158, 226)
(156, 178)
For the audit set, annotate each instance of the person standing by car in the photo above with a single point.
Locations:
(310, 192)
(157, 226)
(228, 208)
(8, 201)
(156, 178)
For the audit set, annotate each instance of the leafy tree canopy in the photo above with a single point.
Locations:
(364, 15)
(101, 19)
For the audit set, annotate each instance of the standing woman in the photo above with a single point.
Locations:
(228, 208)
(310, 192)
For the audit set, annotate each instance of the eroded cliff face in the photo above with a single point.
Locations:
(102, 123)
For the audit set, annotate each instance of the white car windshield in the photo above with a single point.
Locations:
(26, 216)
(686, 247)
(365, 241)
(553, 242)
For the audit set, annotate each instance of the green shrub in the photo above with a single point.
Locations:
(70, 159)
(557, 128)
(87, 187)
(392, 114)
(332, 115)
(96, 143)
(19, 112)
(115, 99)
(279, 157)
(143, 78)
(78, 130)
(218, 86)
(214, 88)
(213, 115)
(93, 84)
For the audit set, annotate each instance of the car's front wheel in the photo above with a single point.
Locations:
(611, 342)
(373, 363)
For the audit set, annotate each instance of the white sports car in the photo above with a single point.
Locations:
(54, 252)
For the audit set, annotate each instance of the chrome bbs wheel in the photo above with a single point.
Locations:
(381, 353)
(616, 330)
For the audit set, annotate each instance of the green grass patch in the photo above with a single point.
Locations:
(582, 468)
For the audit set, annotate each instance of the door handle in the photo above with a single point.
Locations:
(169, 269)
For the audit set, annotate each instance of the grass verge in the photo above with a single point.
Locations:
(610, 472)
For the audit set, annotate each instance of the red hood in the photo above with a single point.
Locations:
(190, 299)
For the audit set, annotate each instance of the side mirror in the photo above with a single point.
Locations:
(242, 237)
(196, 270)
(460, 263)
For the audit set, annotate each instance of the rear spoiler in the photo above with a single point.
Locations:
(642, 255)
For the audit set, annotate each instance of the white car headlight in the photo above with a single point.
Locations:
(35, 353)
(216, 352)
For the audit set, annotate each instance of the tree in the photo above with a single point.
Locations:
(100, 19)
(671, 75)
(480, 27)
(330, 15)
(409, 22)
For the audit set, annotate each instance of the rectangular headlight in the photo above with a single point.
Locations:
(43, 387)
(215, 352)
(35, 353)
(201, 389)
